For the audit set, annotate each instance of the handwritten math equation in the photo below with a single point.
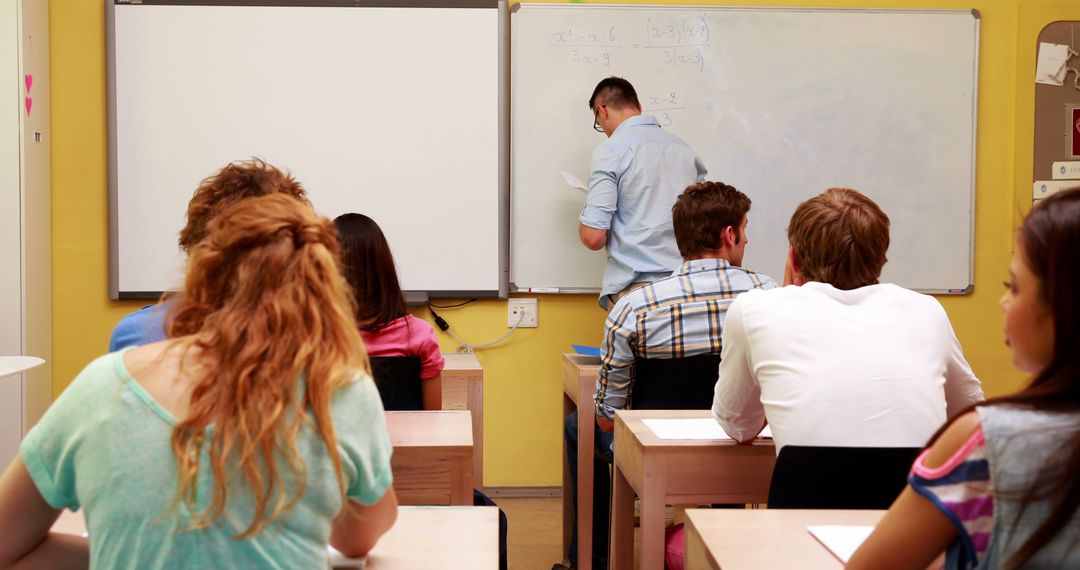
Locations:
(677, 42)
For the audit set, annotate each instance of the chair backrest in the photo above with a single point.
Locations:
(675, 383)
(839, 477)
(398, 380)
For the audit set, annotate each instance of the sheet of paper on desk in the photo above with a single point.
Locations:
(689, 428)
(339, 560)
(841, 540)
(574, 181)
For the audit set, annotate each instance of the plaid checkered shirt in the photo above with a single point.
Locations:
(675, 317)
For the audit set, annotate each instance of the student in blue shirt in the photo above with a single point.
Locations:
(634, 178)
(251, 438)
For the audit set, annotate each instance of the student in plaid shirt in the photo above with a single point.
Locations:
(675, 317)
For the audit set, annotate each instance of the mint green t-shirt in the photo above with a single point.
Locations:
(105, 446)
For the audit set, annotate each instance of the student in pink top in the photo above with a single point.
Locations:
(387, 329)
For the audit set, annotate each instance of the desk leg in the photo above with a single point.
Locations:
(567, 491)
(476, 406)
(461, 480)
(586, 430)
(653, 497)
(622, 523)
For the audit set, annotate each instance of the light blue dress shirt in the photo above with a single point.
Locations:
(634, 178)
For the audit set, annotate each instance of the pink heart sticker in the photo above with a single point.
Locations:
(29, 82)
(29, 105)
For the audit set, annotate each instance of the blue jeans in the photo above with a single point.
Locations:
(601, 514)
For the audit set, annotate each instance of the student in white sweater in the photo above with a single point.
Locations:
(839, 359)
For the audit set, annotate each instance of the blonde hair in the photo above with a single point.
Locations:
(840, 237)
(266, 306)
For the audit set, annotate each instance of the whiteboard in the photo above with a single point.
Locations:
(396, 112)
(780, 103)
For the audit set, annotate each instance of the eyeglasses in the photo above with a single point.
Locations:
(596, 117)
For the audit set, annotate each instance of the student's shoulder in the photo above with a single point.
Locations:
(913, 302)
(139, 327)
(754, 280)
(96, 378)
(767, 292)
(359, 390)
(956, 438)
(419, 323)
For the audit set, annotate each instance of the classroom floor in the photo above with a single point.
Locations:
(534, 540)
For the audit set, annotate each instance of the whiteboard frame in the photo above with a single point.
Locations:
(514, 287)
(503, 85)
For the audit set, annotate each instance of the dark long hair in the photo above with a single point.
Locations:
(1049, 239)
(369, 269)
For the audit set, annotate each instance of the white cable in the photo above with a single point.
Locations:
(465, 347)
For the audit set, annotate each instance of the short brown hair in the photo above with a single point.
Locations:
(701, 213)
(840, 237)
(238, 180)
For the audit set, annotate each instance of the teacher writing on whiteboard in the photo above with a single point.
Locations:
(634, 178)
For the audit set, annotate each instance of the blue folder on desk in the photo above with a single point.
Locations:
(586, 350)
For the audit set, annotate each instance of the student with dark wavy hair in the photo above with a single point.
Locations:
(999, 486)
(387, 329)
(251, 437)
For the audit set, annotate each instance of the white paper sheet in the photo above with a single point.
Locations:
(841, 540)
(575, 182)
(339, 560)
(1051, 66)
(691, 428)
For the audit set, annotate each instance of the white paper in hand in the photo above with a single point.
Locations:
(840, 539)
(339, 560)
(573, 181)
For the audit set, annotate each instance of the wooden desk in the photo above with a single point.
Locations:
(433, 457)
(676, 471)
(422, 538)
(749, 539)
(579, 386)
(463, 389)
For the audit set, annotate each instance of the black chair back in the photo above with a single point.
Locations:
(839, 477)
(675, 383)
(398, 381)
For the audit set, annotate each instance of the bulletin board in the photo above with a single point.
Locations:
(1057, 118)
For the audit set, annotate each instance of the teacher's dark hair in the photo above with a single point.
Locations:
(369, 269)
(615, 92)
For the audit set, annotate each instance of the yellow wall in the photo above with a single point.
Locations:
(522, 384)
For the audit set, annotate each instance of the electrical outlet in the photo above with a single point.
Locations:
(524, 309)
